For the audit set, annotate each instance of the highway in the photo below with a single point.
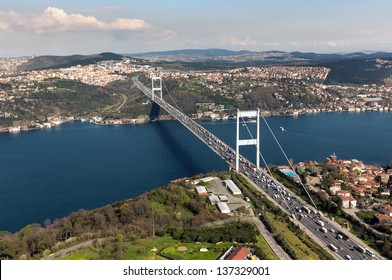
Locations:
(309, 218)
(288, 201)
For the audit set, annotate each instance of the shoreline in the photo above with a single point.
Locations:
(143, 120)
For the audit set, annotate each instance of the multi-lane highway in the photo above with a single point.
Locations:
(325, 232)
(328, 233)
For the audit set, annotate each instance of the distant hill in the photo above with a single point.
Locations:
(358, 71)
(52, 62)
(195, 52)
(352, 68)
(350, 56)
(202, 54)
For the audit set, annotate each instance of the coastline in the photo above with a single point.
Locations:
(142, 119)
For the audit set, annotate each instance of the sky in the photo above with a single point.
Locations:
(64, 27)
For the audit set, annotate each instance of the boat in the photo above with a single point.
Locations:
(282, 128)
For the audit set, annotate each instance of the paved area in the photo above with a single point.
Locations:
(219, 189)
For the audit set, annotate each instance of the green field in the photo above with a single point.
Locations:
(167, 248)
(193, 252)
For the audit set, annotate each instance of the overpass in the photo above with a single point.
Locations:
(284, 198)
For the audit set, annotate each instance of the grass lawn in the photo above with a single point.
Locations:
(141, 249)
(135, 250)
(168, 248)
(193, 251)
(302, 251)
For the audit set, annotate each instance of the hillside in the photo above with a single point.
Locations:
(173, 208)
(173, 218)
(196, 52)
(53, 62)
(358, 71)
(351, 68)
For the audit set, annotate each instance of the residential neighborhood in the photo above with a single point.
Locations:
(277, 90)
(353, 185)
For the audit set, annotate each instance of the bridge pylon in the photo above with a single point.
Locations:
(251, 141)
(156, 86)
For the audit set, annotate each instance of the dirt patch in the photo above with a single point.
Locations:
(182, 248)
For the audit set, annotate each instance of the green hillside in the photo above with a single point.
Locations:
(53, 62)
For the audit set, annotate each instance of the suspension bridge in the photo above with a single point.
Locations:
(219, 147)
(327, 238)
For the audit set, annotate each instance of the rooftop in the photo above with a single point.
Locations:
(239, 253)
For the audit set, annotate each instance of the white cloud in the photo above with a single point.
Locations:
(53, 20)
(127, 24)
(332, 44)
(336, 44)
(4, 26)
(271, 44)
(234, 41)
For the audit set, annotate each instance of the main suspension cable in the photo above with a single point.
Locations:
(291, 165)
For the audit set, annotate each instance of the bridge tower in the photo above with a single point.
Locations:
(156, 86)
(251, 141)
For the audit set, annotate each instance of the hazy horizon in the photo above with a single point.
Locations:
(44, 27)
(173, 50)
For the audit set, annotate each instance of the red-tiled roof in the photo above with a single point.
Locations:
(383, 217)
(238, 254)
(387, 207)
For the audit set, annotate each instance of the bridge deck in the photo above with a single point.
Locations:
(219, 147)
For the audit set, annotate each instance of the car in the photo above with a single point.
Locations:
(348, 257)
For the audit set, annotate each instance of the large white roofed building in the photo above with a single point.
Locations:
(223, 208)
(232, 187)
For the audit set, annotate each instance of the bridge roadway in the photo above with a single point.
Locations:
(279, 194)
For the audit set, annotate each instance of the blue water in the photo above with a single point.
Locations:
(290, 173)
(51, 173)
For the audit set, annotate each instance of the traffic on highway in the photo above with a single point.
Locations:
(317, 226)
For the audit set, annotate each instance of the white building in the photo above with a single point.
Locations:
(232, 187)
(213, 199)
(201, 190)
(204, 180)
(223, 208)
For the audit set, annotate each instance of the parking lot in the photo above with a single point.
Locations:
(234, 202)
